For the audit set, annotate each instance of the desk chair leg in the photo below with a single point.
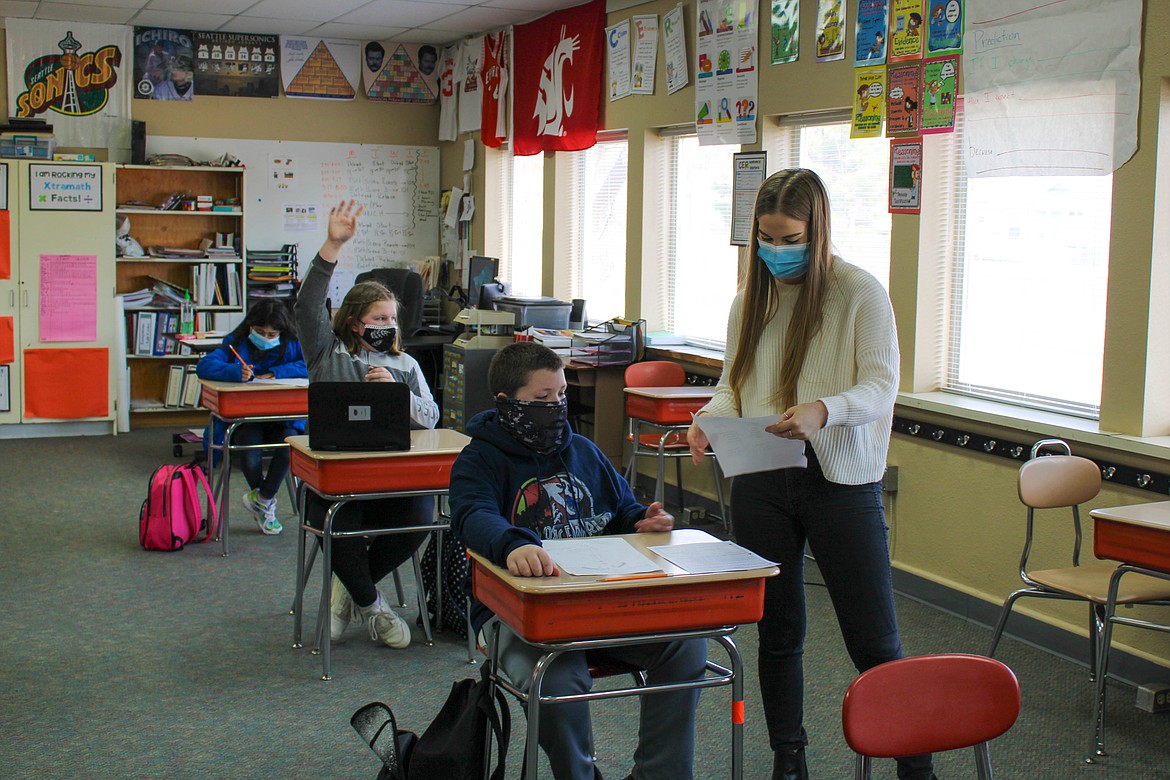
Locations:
(303, 573)
(470, 631)
(737, 714)
(1098, 748)
(861, 768)
(983, 761)
(660, 484)
(416, 559)
(290, 482)
(532, 706)
(324, 641)
(682, 499)
(398, 590)
(1096, 627)
(225, 465)
(632, 466)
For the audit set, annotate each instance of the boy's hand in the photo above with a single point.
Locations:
(656, 519)
(531, 561)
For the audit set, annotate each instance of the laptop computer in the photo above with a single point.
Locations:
(359, 416)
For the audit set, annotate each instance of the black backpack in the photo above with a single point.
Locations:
(453, 746)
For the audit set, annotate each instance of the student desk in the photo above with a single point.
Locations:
(341, 477)
(1139, 537)
(570, 613)
(238, 403)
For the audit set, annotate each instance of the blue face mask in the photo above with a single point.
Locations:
(260, 342)
(787, 261)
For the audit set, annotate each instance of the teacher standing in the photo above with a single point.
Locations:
(811, 340)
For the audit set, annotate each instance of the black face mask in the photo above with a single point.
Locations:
(539, 425)
(380, 337)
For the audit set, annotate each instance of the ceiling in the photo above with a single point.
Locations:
(416, 21)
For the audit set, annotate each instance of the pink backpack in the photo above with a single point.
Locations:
(172, 514)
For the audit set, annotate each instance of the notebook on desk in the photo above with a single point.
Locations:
(359, 416)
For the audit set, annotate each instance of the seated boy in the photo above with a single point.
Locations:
(526, 477)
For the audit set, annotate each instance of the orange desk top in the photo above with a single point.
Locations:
(1138, 534)
(425, 466)
(692, 392)
(566, 607)
(666, 405)
(232, 400)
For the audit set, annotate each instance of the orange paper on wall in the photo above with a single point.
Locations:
(5, 246)
(7, 341)
(66, 384)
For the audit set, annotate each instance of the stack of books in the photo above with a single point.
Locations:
(183, 388)
(272, 273)
(27, 137)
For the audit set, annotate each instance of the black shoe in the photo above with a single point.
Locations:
(789, 765)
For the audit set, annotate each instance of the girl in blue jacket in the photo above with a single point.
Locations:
(267, 342)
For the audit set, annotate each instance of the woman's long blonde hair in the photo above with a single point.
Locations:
(360, 298)
(800, 194)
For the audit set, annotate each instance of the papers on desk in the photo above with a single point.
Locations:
(743, 446)
(711, 557)
(606, 555)
(298, 381)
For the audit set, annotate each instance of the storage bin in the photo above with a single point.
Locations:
(29, 146)
(537, 312)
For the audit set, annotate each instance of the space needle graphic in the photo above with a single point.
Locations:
(69, 61)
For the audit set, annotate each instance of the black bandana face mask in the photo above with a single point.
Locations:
(380, 337)
(539, 425)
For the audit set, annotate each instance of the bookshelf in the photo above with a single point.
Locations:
(192, 246)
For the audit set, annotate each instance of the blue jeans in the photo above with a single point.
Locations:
(250, 460)
(666, 728)
(775, 514)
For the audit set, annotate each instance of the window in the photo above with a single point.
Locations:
(1026, 305)
(698, 275)
(519, 219)
(855, 171)
(594, 221)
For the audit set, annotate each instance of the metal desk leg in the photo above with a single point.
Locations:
(225, 465)
(532, 705)
(736, 706)
(1098, 748)
(324, 641)
(303, 568)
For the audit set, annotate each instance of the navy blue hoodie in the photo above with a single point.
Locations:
(505, 495)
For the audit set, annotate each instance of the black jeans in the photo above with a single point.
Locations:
(361, 563)
(775, 514)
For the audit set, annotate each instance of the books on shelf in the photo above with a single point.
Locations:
(143, 333)
(174, 392)
(191, 388)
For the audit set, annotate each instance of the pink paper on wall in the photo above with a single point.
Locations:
(7, 341)
(5, 246)
(68, 304)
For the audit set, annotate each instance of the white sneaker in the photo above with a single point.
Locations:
(386, 626)
(264, 512)
(341, 609)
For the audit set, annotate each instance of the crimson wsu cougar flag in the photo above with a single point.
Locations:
(559, 62)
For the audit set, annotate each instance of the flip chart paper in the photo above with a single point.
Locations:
(598, 555)
(68, 304)
(711, 557)
(743, 446)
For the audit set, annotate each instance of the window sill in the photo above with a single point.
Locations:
(1040, 424)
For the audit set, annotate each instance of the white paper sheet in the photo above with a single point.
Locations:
(709, 557)
(296, 381)
(743, 446)
(607, 555)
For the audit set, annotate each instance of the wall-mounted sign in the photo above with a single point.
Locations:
(64, 187)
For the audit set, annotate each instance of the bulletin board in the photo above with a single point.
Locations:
(289, 187)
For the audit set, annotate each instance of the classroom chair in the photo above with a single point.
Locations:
(667, 437)
(1064, 482)
(928, 704)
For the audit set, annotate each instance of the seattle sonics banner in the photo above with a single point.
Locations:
(75, 76)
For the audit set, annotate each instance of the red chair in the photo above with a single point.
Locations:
(668, 423)
(928, 704)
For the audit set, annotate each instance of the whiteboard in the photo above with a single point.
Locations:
(289, 187)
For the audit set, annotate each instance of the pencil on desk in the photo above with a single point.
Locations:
(644, 576)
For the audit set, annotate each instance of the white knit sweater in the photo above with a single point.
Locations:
(851, 366)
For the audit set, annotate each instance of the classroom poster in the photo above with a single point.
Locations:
(78, 76)
(469, 86)
(727, 84)
(7, 340)
(1053, 90)
(68, 297)
(675, 45)
(645, 54)
(560, 70)
(5, 244)
(448, 101)
(617, 48)
(164, 64)
(319, 68)
(903, 92)
(67, 383)
(868, 101)
(869, 40)
(830, 30)
(905, 176)
(236, 64)
(940, 79)
(749, 171)
(944, 28)
(785, 31)
(905, 30)
(494, 119)
(395, 72)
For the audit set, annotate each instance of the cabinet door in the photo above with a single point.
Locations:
(9, 296)
(66, 215)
